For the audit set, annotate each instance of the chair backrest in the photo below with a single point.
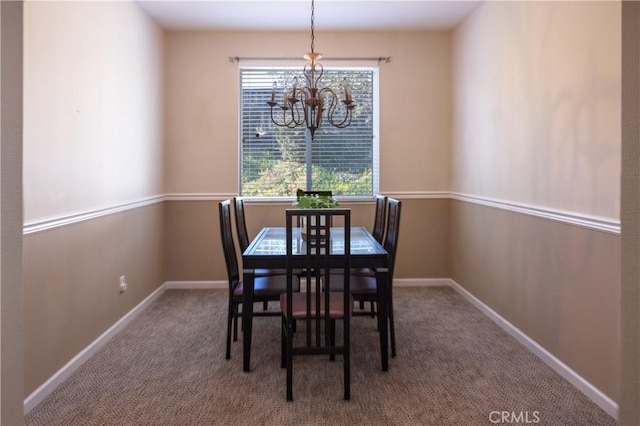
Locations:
(393, 231)
(317, 257)
(379, 219)
(241, 223)
(228, 247)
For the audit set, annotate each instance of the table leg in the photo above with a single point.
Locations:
(247, 317)
(382, 279)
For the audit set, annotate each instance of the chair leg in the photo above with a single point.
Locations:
(283, 344)
(361, 304)
(236, 315)
(289, 364)
(332, 339)
(378, 319)
(229, 321)
(265, 305)
(346, 359)
(392, 328)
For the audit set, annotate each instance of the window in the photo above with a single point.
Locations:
(276, 161)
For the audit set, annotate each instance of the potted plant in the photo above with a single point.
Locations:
(313, 201)
(316, 202)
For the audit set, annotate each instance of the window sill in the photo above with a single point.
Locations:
(351, 199)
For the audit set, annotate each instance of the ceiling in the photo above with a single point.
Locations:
(356, 15)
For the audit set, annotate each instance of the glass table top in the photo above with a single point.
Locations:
(272, 242)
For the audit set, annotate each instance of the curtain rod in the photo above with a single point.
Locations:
(380, 59)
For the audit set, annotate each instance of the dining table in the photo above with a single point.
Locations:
(268, 251)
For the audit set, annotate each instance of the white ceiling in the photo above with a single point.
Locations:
(296, 14)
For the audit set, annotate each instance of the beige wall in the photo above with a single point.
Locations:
(202, 90)
(93, 118)
(93, 106)
(537, 105)
(537, 122)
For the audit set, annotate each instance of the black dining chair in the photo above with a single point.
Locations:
(314, 311)
(379, 221)
(241, 223)
(377, 232)
(243, 235)
(267, 288)
(364, 287)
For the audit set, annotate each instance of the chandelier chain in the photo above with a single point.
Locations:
(312, 26)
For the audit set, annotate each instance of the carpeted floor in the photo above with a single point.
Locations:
(454, 367)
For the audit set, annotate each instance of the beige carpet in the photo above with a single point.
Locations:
(454, 367)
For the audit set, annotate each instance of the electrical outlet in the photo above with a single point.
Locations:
(123, 284)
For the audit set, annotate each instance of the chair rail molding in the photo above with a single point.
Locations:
(598, 223)
(198, 196)
(417, 195)
(71, 218)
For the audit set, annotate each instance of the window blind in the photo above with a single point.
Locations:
(276, 161)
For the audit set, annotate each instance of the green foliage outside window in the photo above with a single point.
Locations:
(277, 178)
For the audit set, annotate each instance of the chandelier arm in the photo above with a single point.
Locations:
(273, 119)
(285, 119)
(345, 121)
(327, 92)
(305, 72)
(333, 106)
(321, 72)
(292, 119)
(310, 121)
(289, 122)
(296, 119)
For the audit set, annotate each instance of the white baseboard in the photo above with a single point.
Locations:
(54, 381)
(593, 393)
(421, 282)
(195, 285)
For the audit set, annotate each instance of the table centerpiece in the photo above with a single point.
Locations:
(313, 201)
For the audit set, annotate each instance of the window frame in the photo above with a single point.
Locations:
(375, 140)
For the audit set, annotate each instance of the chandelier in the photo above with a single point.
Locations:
(306, 104)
